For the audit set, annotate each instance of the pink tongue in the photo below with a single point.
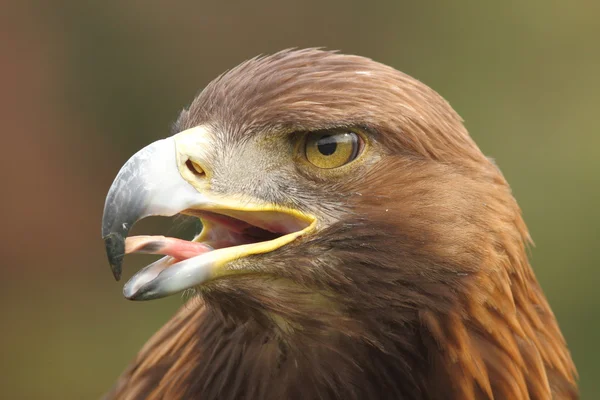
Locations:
(177, 248)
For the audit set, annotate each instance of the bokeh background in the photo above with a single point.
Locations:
(85, 84)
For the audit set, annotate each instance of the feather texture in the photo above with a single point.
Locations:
(420, 288)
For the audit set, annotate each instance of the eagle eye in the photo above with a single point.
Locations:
(331, 149)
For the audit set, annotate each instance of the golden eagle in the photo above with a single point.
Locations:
(356, 244)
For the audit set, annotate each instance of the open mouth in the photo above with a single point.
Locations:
(226, 235)
(158, 181)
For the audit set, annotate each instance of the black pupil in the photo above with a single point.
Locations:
(327, 145)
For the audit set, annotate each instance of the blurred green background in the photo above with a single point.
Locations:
(85, 84)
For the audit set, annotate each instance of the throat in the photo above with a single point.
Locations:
(217, 350)
(277, 304)
(278, 361)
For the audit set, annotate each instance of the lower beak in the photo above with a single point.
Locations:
(150, 183)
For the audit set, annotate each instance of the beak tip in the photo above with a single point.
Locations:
(115, 251)
(116, 270)
(132, 294)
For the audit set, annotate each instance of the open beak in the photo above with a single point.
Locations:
(157, 181)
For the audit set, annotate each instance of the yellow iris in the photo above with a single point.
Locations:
(331, 149)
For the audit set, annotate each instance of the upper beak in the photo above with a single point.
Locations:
(155, 181)
(148, 184)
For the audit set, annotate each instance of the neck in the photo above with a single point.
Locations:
(227, 358)
(504, 343)
(493, 335)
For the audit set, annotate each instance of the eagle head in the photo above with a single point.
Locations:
(356, 243)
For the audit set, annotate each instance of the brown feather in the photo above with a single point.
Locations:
(421, 289)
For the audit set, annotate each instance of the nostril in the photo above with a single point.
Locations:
(195, 168)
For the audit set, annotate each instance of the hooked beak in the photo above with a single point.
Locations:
(158, 180)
